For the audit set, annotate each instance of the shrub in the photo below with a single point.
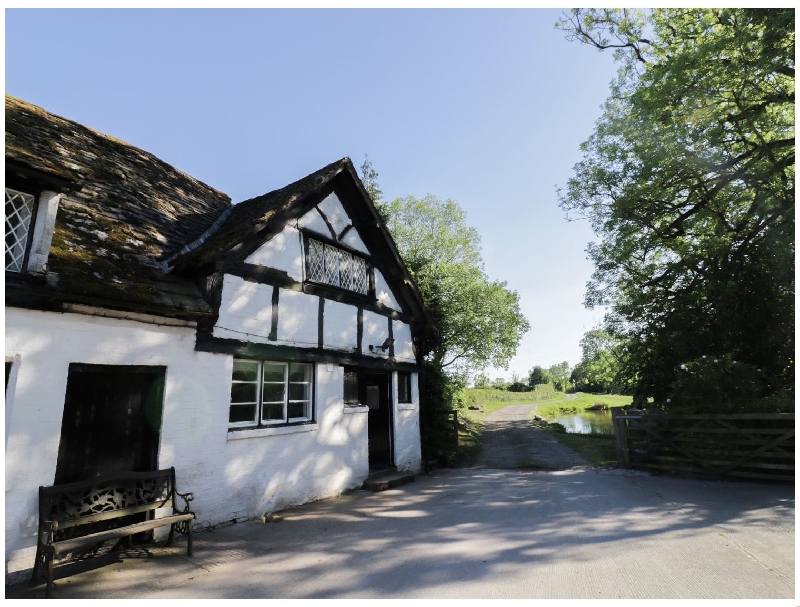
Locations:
(716, 384)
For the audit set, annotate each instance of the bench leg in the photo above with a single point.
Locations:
(171, 534)
(189, 541)
(36, 565)
(48, 593)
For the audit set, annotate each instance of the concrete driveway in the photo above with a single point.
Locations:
(486, 533)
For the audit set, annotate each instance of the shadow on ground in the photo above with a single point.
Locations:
(490, 534)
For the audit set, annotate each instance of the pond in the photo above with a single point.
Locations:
(588, 422)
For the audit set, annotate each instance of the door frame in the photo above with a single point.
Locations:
(389, 377)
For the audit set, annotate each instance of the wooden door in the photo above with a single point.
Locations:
(111, 421)
(379, 423)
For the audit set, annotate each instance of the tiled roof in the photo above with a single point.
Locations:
(126, 211)
(251, 216)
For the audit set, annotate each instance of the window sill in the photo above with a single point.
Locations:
(406, 406)
(277, 431)
(350, 409)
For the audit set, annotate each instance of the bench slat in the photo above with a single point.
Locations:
(69, 545)
(112, 514)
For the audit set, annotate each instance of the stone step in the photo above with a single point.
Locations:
(386, 480)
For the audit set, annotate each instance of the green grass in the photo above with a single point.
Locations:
(493, 396)
(581, 403)
(599, 449)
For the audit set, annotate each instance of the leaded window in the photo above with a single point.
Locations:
(19, 220)
(403, 387)
(267, 393)
(351, 397)
(333, 266)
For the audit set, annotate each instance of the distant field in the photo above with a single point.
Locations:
(581, 403)
(492, 399)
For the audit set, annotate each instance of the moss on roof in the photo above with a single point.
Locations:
(125, 210)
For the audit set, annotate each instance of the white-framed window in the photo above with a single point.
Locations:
(330, 265)
(266, 393)
(20, 208)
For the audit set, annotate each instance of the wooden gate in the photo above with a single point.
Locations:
(759, 446)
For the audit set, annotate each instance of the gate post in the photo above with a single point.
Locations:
(621, 437)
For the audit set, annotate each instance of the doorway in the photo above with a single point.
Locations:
(376, 395)
(111, 421)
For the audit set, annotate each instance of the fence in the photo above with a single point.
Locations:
(758, 446)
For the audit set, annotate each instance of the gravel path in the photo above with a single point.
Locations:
(511, 441)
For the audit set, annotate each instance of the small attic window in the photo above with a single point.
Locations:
(20, 208)
(30, 222)
(331, 265)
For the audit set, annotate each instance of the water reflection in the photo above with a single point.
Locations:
(588, 422)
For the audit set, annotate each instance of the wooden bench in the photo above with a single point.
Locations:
(70, 514)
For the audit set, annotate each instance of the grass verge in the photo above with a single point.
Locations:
(599, 450)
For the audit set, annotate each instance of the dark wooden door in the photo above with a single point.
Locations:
(111, 421)
(379, 423)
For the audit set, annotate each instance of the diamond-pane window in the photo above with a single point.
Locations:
(316, 261)
(360, 282)
(19, 215)
(333, 266)
(345, 271)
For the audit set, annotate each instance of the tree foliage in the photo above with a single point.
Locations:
(478, 320)
(369, 177)
(560, 375)
(538, 376)
(599, 368)
(688, 180)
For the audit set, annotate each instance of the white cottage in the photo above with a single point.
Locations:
(268, 350)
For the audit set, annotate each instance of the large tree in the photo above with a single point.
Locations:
(598, 370)
(478, 320)
(688, 180)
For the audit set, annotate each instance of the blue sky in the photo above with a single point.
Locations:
(487, 107)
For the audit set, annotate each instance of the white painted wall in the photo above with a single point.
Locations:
(284, 251)
(403, 344)
(407, 447)
(332, 207)
(234, 475)
(245, 311)
(376, 330)
(384, 293)
(298, 315)
(340, 328)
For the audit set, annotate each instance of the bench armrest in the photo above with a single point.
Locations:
(47, 532)
(186, 497)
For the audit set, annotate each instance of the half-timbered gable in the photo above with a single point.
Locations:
(268, 350)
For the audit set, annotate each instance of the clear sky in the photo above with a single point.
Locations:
(487, 107)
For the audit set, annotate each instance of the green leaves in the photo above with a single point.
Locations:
(688, 181)
(478, 320)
